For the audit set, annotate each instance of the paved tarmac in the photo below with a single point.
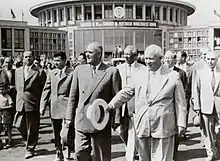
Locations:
(189, 150)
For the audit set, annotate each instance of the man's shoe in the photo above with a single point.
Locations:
(29, 154)
(59, 156)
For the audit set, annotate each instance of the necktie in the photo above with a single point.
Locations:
(60, 73)
(213, 80)
(94, 70)
(128, 75)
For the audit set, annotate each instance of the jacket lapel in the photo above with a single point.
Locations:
(101, 72)
(164, 79)
(217, 78)
(32, 72)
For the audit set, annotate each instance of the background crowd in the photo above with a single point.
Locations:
(150, 114)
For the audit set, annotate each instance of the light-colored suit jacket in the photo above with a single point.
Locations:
(204, 97)
(123, 68)
(56, 90)
(29, 90)
(167, 108)
(85, 89)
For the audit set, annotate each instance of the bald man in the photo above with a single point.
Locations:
(91, 81)
(207, 101)
(160, 107)
(127, 72)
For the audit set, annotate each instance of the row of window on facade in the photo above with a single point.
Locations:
(47, 35)
(188, 34)
(188, 45)
(150, 14)
(6, 38)
(198, 39)
(141, 38)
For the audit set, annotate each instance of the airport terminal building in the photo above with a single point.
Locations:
(114, 22)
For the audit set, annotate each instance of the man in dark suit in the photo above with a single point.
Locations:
(56, 92)
(170, 61)
(29, 82)
(91, 81)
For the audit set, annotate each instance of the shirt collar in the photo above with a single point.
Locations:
(157, 71)
(97, 66)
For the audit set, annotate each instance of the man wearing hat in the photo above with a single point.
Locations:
(207, 102)
(160, 107)
(29, 81)
(56, 92)
(127, 72)
(91, 81)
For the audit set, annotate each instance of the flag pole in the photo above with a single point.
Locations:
(22, 15)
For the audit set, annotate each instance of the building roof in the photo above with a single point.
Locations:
(35, 9)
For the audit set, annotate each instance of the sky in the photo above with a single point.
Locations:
(204, 14)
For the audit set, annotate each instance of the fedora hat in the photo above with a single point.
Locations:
(97, 114)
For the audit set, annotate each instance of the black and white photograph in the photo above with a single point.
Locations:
(110, 80)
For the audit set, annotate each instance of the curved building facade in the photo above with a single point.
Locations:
(114, 22)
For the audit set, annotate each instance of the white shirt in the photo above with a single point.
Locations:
(96, 68)
(129, 71)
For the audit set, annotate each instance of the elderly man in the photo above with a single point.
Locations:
(56, 92)
(29, 81)
(127, 71)
(170, 61)
(160, 107)
(207, 101)
(91, 81)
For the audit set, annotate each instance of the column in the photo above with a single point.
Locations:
(46, 13)
(52, 17)
(93, 12)
(161, 14)
(144, 12)
(58, 17)
(43, 19)
(26, 39)
(153, 12)
(103, 11)
(113, 7)
(185, 18)
(124, 6)
(168, 15)
(174, 15)
(179, 16)
(39, 20)
(65, 15)
(13, 41)
(73, 14)
(82, 12)
(134, 11)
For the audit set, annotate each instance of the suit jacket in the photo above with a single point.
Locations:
(85, 89)
(182, 75)
(29, 90)
(123, 73)
(56, 91)
(164, 107)
(204, 97)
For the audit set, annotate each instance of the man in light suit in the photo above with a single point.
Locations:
(91, 81)
(160, 107)
(170, 61)
(56, 92)
(29, 82)
(127, 72)
(207, 101)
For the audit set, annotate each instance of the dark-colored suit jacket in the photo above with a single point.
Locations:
(56, 90)
(182, 75)
(85, 89)
(29, 90)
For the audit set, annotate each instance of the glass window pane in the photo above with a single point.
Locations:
(98, 11)
(138, 12)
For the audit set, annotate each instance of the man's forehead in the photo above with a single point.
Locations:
(92, 47)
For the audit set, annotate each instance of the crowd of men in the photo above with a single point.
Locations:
(148, 100)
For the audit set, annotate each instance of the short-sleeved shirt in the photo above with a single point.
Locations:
(5, 100)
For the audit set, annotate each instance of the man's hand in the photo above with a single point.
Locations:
(110, 108)
(67, 123)
(181, 131)
(42, 112)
